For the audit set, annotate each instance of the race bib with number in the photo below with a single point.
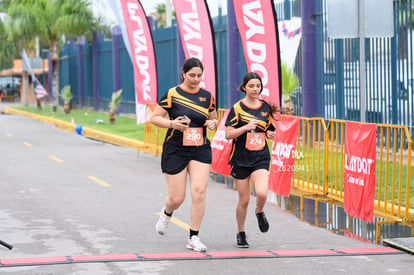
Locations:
(193, 137)
(255, 141)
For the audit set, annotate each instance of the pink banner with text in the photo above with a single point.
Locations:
(142, 55)
(359, 172)
(221, 148)
(283, 155)
(256, 20)
(196, 31)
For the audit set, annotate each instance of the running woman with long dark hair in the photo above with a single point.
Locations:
(249, 125)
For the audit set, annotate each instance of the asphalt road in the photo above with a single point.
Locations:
(63, 194)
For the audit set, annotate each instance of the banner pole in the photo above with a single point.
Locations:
(233, 56)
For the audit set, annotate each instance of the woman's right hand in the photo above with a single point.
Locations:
(180, 123)
(251, 125)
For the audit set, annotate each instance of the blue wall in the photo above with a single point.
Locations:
(165, 43)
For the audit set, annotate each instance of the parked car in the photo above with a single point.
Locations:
(10, 87)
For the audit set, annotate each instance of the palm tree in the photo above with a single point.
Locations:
(115, 101)
(7, 48)
(67, 96)
(160, 15)
(49, 20)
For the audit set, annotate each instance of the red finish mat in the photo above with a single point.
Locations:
(309, 252)
(109, 257)
(241, 254)
(169, 256)
(34, 261)
(369, 250)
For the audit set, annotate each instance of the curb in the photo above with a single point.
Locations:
(87, 132)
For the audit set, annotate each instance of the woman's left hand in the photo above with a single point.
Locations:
(270, 134)
(211, 124)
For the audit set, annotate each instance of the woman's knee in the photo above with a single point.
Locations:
(244, 201)
(175, 201)
(198, 195)
(262, 196)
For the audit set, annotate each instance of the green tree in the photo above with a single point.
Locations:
(160, 15)
(49, 20)
(7, 49)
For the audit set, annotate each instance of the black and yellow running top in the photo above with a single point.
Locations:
(195, 105)
(240, 115)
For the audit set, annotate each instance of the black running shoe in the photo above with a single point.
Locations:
(262, 221)
(242, 241)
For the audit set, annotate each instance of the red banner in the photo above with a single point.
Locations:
(142, 55)
(359, 174)
(256, 20)
(196, 33)
(283, 155)
(221, 147)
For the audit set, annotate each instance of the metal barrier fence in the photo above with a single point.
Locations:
(309, 170)
(393, 169)
(319, 165)
(393, 172)
(153, 136)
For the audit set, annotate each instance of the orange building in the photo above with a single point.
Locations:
(17, 71)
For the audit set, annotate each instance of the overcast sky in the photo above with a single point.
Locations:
(101, 7)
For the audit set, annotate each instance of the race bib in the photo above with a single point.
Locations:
(193, 137)
(255, 141)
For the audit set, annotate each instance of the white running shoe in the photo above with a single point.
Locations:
(195, 244)
(162, 223)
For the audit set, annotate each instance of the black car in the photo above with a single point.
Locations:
(10, 87)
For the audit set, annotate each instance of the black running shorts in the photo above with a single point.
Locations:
(175, 158)
(242, 172)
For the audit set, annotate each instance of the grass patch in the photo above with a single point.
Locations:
(124, 126)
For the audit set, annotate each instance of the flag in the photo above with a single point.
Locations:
(38, 88)
(137, 37)
(256, 20)
(197, 38)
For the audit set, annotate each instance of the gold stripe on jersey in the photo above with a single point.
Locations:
(173, 95)
(246, 117)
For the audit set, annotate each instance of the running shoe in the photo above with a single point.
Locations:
(162, 223)
(262, 221)
(195, 244)
(242, 240)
